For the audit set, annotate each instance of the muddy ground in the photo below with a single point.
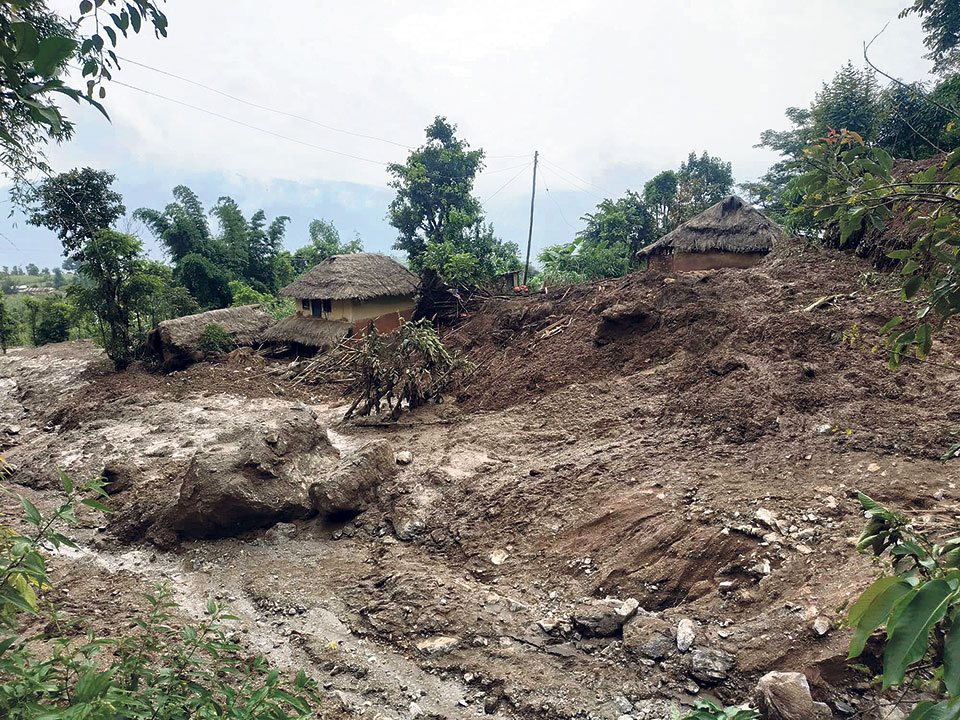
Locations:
(693, 443)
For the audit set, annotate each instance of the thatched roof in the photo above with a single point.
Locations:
(245, 324)
(360, 275)
(729, 226)
(310, 331)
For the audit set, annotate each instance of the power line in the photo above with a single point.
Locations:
(500, 170)
(559, 209)
(571, 183)
(265, 107)
(577, 177)
(295, 116)
(508, 182)
(248, 125)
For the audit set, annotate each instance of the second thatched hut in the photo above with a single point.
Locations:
(730, 234)
(342, 295)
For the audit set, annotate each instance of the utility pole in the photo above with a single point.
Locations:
(533, 196)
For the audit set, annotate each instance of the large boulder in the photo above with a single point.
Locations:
(352, 485)
(253, 478)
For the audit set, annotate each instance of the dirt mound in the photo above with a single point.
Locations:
(722, 354)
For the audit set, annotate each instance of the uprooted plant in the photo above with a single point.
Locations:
(163, 668)
(407, 368)
(917, 601)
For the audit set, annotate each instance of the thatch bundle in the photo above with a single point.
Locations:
(361, 276)
(312, 332)
(729, 226)
(177, 339)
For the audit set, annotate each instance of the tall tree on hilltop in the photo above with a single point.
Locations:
(181, 226)
(75, 205)
(701, 182)
(434, 201)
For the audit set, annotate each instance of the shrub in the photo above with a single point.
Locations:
(215, 339)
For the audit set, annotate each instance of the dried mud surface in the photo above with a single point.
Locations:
(626, 455)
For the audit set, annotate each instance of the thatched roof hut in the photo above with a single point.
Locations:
(176, 340)
(312, 332)
(731, 233)
(359, 276)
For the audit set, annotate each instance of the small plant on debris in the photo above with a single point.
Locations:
(215, 339)
(164, 668)
(918, 603)
(409, 367)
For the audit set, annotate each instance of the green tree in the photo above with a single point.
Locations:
(660, 196)
(324, 242)
(58, 280)
(52, 321)
(75, 205)
(434, 203)
(181, 226)
(207, 283)
(32, 269)
(941, 23)
(701, 182)
(851, 100)
(35, 44)
(626, 220)
(9, 327)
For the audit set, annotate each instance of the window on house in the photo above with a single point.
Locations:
(305, 304)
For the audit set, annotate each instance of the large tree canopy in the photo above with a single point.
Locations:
(434, 201)
(75, 205)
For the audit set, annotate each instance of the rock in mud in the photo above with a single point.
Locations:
(649, 636)
(353, 484)
(603, 618)
(686, 634)
(786, 696)
(404, 457)
(439, 645)
(710, 666)
(250, 478)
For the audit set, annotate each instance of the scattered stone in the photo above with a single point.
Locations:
(415, 710)
(820, 625)
(686, 634)
(710, 666)
(762, 568)
(768, 519)
(404, 457)
(784, 696)
(831, 502)
(624, 705)
(629, 608)
(13, 430)
(804, 549)
(873, 467)
(280, 533)
(600, 618)
(439, 645)
(497, 557)
(648, 636)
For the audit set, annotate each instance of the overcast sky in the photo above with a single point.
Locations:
(609, 92)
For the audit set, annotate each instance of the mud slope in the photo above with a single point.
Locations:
(690, 443)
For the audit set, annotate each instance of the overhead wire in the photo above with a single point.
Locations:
(259, 106)
(248, 125)
(491, 197)
(571, 183)
(559, 209)
(575, 176)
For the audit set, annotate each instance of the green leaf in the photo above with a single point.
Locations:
(868, 596)
(66, 482)
(883, 157)
(33, 515)
(876, 612)
(891, 325)
(911, 287)
(927, 710)
(25, 36)
(85, 7)
(53, 51)
(951, 657)
(96, 505)
(907, 643)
